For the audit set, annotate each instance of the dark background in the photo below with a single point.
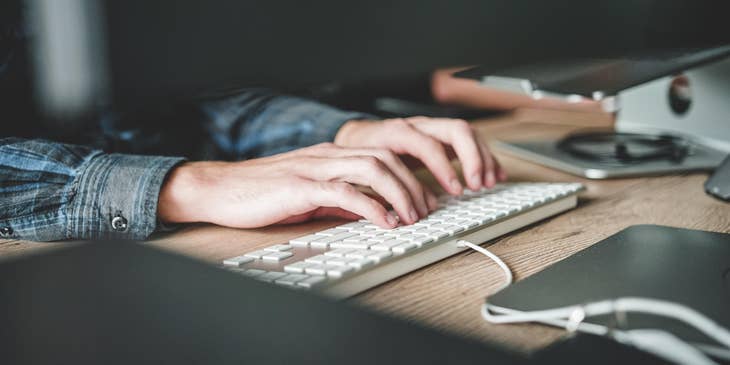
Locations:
(175, 47)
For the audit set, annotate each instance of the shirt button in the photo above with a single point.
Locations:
(6, 232)
(119, 223)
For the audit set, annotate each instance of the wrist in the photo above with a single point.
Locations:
(179, 199)
(344, 134)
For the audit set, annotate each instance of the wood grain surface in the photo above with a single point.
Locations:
(447, 295)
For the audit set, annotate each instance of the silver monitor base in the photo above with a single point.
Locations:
(545, 152)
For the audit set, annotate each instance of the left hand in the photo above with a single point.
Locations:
(434, 142)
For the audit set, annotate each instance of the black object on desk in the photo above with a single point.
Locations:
(718, 185)
(685, 266)
(124, 303)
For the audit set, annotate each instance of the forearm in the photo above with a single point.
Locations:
(51, 191)
(451, 90)
(257, 123)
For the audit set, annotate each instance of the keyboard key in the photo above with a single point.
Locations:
(483, 219)
(355, 238)
(471, 223)
(407, 229)
(339, 271)
(359, 254)
(325, 241)
(359, 264)
(270, 276)
(297, 267)
(277, 256)
(430, 232)
(378, 256)
(403, 248)
(428, 222)
(319, 269)
(291, 279)
(312, 282)
(382, 238)
(254, 272)
(237, 261)
(278, 248)
(360, 245)
(257, 254)
(341, 252)
(351, 226)
(388, 245)
(319, 259)
(459, 222)
(332, 232)
(448, 228)
(341, 261)
(303, 241)
(420, 240)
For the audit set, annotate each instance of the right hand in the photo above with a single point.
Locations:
(293, 187)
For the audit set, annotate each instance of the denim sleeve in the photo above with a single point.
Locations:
(52, 191)
(257, 123)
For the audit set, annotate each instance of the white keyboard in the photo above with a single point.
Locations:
(353, 257)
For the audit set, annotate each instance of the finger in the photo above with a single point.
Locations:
(405, 175)
(430, 152)
(345, 196)
(489, 175)
(430, 198)
(320, 212)
(499, 170)
(458, 135)
(335, 213)
(396, 166)
(362, 170)
(490, 163)
(499, 173)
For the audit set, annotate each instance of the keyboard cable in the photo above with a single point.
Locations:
(507, 272)
(657, 342)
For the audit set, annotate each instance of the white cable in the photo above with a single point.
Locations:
(495, 258)
(627, 304)
(657, 342)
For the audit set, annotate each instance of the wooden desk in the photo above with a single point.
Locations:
(448, 295)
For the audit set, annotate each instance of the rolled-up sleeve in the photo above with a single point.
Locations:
(256, 123)
(52, 191)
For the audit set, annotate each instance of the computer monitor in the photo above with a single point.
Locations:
(99, 52)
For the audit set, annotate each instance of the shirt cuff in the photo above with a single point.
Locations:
(115, 196)
(329, 123)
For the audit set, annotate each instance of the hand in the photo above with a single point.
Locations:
(293, 187)
(433, 141)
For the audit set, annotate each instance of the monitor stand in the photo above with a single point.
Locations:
(692, 105)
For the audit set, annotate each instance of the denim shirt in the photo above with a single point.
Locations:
(56, 191)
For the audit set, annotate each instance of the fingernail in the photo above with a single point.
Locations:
(456, 186)
(423, 210)
(413, 215)
(490, 179)
(391, 220)
(476, 180)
